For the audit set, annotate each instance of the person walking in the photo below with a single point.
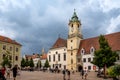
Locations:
(8, 72)
(15, 71)
(85, 73)
(2, 77)
(3, 71)
(68, 72)
(64, 74)
(82, 73)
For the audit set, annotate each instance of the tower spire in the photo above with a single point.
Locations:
(74, 18)
(43, 51)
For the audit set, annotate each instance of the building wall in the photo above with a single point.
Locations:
(88, 63)
(56, 51)
(35, 61)
(43, 62)
(14, 51)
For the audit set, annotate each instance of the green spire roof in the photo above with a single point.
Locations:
(74, 17)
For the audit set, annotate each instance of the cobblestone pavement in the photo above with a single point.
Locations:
(39, 75)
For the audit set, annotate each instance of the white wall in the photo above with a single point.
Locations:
(60, 51)
(86, 64)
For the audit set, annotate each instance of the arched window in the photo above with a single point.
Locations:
(92, 49)
(71, 61)
(3, 56)
(82, 51)
(16, 58)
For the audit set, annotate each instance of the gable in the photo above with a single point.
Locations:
(59, 43)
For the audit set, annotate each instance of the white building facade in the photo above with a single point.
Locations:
(57, 56)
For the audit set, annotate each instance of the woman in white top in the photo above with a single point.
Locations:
(8, 72)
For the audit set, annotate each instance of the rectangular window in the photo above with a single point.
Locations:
(59, 65)
(16, 49)
(58, 57)
(64, 56)
(89, 59)
(78, 59)
(89, 67)
(16, 58)
(49, 58)
(84, 59)
(53, 57)
(10, 57)
(10, 48)
(71, 61)
(53, 65)
(64, 66)
(4, 47)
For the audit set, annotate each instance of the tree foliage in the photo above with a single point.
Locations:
(114, 71)
(23, 63)
(39, 64)
(104, 56)
(27, 63)
(47, 64)
(6, 61)
(31, 63)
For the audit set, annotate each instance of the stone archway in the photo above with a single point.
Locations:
(80, 67)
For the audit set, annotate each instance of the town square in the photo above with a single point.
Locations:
(40, 75)
(59, 40)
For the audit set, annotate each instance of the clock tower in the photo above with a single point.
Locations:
(73, 41)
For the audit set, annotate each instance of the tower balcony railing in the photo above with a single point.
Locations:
(75, 35)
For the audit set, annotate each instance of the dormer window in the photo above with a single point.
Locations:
(92, 49)
(82, 51)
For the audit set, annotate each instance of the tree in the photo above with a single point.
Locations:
(23, 62)
(104, 57)
(114, 71)
(39, 64)
(47, 64)
(6, 60)
(31, 63)
(26, 63)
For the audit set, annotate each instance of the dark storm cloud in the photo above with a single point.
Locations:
(37, 24)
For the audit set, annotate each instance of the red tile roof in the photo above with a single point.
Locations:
(60, 43)
(8, 40)
(31, 56)
(44, 56)
(113, 40)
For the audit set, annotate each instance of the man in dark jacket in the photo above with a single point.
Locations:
(15, 71)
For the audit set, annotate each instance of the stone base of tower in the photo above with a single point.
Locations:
(72, 67)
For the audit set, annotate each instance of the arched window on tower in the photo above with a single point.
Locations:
(78, 25)
(71, 61)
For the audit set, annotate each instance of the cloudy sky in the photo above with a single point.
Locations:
(36, 24)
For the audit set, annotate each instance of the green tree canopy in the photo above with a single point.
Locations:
(39, 64)
(114, 71)
(104, 56)
(23, 62)
(26, 63)
(31, 63)
(6, 60)
(47, 64)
